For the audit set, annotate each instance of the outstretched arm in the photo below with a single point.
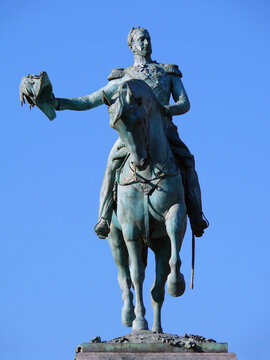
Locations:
(182, 104)
(89, 101)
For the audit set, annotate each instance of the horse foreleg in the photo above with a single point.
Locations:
(137, 269)
(162, 255)
(120, 255)
(175, 221)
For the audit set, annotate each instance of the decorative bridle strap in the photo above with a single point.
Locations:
(137, 178)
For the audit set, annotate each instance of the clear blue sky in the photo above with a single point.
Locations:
(58, 280)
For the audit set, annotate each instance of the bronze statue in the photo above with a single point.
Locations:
(150, 181)
(164, 80)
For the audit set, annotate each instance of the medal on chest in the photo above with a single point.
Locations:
(151, 74)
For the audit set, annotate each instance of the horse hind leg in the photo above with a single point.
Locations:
(176, 226)
(120, 255)
(162, 251)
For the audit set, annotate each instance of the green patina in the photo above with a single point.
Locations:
(150, 183)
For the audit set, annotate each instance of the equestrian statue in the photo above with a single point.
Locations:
(150, 183)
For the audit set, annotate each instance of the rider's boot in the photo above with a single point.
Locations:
(106, 202)
(102, 228)
(193, 201)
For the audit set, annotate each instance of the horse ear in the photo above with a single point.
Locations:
(105, 100)
(129, 94)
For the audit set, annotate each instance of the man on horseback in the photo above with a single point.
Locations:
(164, 80)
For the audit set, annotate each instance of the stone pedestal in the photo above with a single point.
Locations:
(155, 356)
(152, 346)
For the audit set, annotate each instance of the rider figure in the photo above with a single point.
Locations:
(164, 80)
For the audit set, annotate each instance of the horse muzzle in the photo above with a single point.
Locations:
(141, 164)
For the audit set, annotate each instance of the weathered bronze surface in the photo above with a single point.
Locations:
(150, 183)
(151, 345)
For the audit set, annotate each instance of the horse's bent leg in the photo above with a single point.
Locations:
(162, 254)
(120, 255)
(176, 226)
(137, 269)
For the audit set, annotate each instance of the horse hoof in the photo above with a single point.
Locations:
(176, 284)
(157, 329)
(141, 324)
(128, 315)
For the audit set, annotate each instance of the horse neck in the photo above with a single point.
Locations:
(158, 147)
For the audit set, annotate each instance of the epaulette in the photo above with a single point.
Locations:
(172, 69)
(116, 74)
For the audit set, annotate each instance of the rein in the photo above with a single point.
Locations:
(161, 174)
(147, 188)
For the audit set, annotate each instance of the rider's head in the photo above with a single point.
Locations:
(139, 41)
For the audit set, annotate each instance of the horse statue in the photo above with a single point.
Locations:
(150, 210)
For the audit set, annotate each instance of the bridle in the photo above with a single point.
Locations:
(137, 178)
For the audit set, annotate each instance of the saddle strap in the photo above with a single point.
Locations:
(146, 219)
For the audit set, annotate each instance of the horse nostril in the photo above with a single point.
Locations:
(143, 162)
(140, 165)
(134, 164)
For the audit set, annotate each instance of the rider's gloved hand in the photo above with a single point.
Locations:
(166, 110)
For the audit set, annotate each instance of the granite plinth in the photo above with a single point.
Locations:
(154, 356)
(152, 351)
(148, 345)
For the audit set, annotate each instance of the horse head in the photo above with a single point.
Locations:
(128, 116)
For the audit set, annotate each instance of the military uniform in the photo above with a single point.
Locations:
(157, 75)
(161, 78)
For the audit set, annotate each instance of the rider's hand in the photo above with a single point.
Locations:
(53, 102)
(166, 111)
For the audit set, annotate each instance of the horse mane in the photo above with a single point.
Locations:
(143, 95)
(144, 101)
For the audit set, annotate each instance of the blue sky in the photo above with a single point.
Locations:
(58, 280)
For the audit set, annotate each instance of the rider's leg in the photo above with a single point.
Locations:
(106, 194)
(190, 177)
(192, 186)
(193, 196)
